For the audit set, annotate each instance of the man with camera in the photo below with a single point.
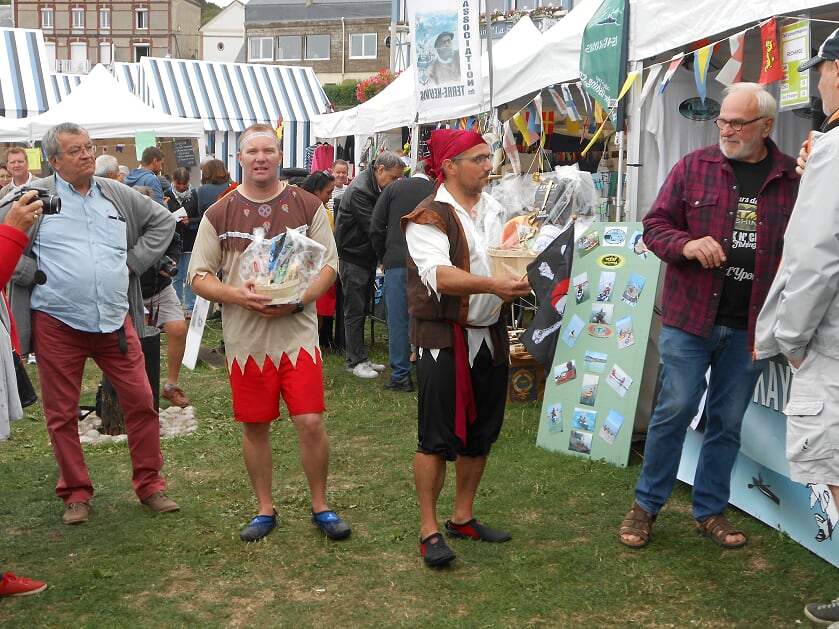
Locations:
(76, 293)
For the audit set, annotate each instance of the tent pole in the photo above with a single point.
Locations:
(633, 144)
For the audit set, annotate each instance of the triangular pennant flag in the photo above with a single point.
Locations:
(770, 65)
(560, 104)
(521, 125)
(701, 61)
(732, 71)
(675, 62)
(648, 85)
(510, 148)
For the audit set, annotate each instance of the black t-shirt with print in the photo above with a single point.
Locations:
(733, 310)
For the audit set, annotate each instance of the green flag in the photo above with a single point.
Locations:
(600, 54)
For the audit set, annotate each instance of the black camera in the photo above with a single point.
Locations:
(168, 266)
(52, 202)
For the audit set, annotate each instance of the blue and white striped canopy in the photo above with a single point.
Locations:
(231, 96)
(23, 73)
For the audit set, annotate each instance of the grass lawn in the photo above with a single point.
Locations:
(128, 567)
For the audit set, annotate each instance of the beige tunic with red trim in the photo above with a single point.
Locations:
(223, 235)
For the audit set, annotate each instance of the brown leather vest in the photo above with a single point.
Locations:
(431, 318)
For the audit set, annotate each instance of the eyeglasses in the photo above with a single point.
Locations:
(480, 160)
(736, 125)
(75, 151)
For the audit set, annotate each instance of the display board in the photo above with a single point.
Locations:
(591, 392)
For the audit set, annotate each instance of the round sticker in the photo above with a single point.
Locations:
(599, 330)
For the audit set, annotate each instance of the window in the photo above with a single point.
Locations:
(260, 49)
(105, 19)
(50, 51)
(142, 19)
(317, 46)
(289, 48)
(78, 18)
(47, 19)
(140, 51)
(363, 46)
(78, 57)
(106, 55)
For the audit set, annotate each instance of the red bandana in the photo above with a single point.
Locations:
(445, 144)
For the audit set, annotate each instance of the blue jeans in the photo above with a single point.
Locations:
(685, 359)
(182, 287)
(396, 299)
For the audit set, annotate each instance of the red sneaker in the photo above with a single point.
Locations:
(11, 585)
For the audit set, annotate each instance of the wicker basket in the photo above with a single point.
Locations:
(504, 262)
(285, 293)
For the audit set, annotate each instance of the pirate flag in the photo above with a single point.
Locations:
(549, 275)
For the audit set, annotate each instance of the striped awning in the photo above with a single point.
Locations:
(62, 84)
(231, 96)
(127, 74)
(23, 73)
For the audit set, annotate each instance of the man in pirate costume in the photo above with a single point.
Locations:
(461, 335)
(272, 351)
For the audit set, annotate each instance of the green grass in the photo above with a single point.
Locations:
(564, 567)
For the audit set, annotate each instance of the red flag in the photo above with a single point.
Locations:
(548, 122)
(770, 65)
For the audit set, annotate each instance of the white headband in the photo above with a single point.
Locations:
(258, 134)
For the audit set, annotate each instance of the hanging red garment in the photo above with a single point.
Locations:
(324, 157)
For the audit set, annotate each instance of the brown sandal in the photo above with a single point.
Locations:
(639, 523)
(717, 528)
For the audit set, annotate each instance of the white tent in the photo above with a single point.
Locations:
(14, 130)
(107, 110)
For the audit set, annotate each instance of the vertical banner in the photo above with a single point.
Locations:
(600, 54)
(446, 46)
(795, 47)
(770, 65)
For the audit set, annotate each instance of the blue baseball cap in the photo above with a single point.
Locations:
(829, 51)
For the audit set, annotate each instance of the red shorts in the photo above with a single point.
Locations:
(256, 392)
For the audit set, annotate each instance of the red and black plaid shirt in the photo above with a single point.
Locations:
(699, 198)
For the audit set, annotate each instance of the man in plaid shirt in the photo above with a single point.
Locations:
(718, 222)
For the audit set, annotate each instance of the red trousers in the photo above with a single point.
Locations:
(62, 353)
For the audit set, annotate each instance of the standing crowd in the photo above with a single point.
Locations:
(747, 278)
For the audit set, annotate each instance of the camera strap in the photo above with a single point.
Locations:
(123, 342)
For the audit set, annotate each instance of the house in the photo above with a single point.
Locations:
(78, 35)
(223, 37)
(338, 39)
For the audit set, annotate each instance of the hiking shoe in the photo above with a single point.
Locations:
(435, 551)
(159, 502)
(76, 513)
(11, 585)
(331, 524)
(363, 370)
(823, 613)
(475, 530)
(259, 527)
(405, 384)
(175, 396)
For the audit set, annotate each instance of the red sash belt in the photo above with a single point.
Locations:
(465, 411)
